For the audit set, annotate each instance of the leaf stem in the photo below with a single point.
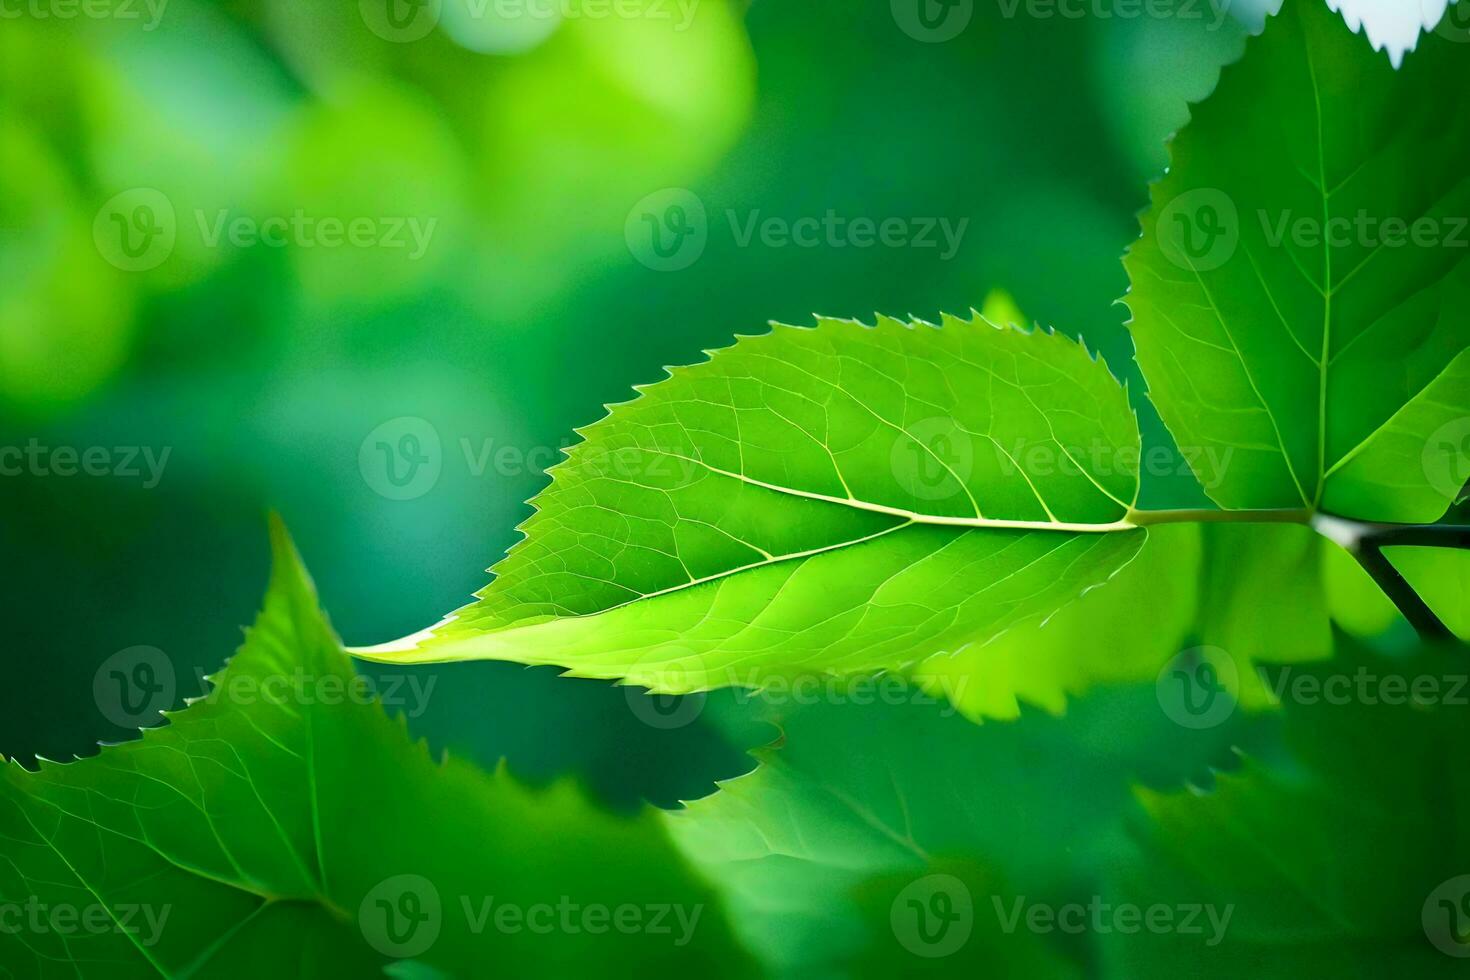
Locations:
(1145, 518)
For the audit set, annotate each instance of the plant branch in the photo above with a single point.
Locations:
(1401, 593)
(1365, 541)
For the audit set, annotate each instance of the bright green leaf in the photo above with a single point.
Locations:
(1102, 637)
(1441, 576)
(813, 500)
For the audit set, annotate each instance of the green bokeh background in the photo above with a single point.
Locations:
(527, 141)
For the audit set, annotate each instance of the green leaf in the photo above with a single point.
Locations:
(1441, 576)
(1330, 860)
(1262, 601)
(1284, 309)
(1101, 638)
(284, 824)
(1355, 601)
(859, 805)
(836, 498)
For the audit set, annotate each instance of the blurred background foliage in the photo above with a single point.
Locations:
(526, 141)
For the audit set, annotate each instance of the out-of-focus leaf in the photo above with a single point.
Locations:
(1345, 857)
(287, 824)
(867, 817)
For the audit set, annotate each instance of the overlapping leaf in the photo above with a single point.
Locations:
(861, 807)
(286, 827)
(1300, 292)
(1347, 856)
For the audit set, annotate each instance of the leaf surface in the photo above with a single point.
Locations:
(285, 825)
(1331, 859)
(1285, 308)
(859, 805)
(835, 498)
